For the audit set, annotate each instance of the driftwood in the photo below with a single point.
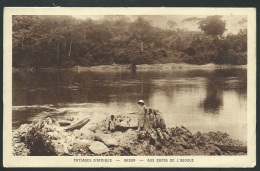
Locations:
(232, 148)
(78, 125)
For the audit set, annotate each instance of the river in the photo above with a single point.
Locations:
(199, 99)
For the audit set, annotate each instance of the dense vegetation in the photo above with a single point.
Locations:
(64, 41)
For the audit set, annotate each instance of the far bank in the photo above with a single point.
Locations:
(114, 67)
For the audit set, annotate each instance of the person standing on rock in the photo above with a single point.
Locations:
(143, 121)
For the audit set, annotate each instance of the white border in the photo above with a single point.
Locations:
(63, 161)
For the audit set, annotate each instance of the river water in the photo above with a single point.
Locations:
(199, 99)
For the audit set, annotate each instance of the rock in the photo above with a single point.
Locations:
(110, 141)
(85, 131)
(65, 148)
(16, 134)
(77, 133)
(49, 121)
(93, 128)
(180, 148)
(54, 134)
(17, 145)
(152, 133)
(98, 147)
(48, 128)
(141, 135)
(59, 149)
(107, 139)
(124, 123)
(84, 142)
(24, 128)
(70, 118)
(16, 140)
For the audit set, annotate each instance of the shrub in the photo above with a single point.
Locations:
(142, 57)
(38, 142)
(122, 58)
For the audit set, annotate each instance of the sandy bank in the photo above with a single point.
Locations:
(143, 67)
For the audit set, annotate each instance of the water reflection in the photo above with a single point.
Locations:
(184, 96)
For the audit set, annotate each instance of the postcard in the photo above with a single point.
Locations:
(129, 87)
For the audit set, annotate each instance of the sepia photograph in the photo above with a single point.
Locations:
(130, 84)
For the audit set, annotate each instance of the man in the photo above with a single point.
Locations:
(143, 121)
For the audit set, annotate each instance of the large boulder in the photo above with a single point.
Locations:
(110, 141)
(107, 139)
(85, 130)
(98, 147)
(84, 142)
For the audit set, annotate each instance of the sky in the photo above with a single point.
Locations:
(160, 21)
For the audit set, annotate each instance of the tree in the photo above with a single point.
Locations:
(213, 25)
(64, 41)
(242, 22)
(193, 20)
(171, 24)
(141, 29)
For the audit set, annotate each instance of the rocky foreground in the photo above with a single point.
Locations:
(51, 137)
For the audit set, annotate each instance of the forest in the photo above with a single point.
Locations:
(64, 41)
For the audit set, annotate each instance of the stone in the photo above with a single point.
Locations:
(49, 121)
(24, 128)
(16, 134)
(93, 128)
(70, 118)
(98, 147)
(110, 141)
(59, 149)
(17, 145)
(53, 135)
(84, 142)
(65, 148)
(85, 131)
(107, 139)
(77, 133)
(16, 140)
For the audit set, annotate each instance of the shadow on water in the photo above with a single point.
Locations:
(220, 81)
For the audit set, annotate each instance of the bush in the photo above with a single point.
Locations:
(87, 60)
(102, 58)
(38, 142)
(66, 63)
(122, 58)
(142, 57)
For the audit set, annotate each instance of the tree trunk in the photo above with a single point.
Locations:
(58, 49)
(70, 48)
(142, 45)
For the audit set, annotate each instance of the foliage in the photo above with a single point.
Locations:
(213, 25)
(63, 41)
(38, 142)
(171, 24)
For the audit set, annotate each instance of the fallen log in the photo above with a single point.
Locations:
(78, 125)
(232, 148)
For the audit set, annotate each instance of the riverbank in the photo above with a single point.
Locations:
(76, 136)
(166, 66)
